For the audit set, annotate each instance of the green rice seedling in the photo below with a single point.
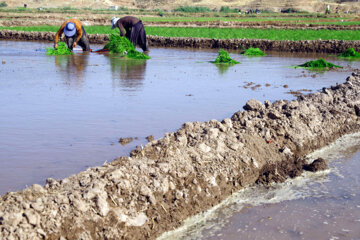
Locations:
(62, 49)
(350, 53)
(124, 47)
(224, 58)
(319, 64)
(253, 52)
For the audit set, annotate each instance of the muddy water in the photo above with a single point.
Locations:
(323, 205)
(60, 115)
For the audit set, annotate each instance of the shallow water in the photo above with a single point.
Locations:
(62, 114)
(323, 205)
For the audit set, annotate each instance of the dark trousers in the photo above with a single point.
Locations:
(138, 36)
(83, 42)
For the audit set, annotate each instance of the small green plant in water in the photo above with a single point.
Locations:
(124, 47)
(253, 52)
(224, 57)
(349, 53)
(317, 64)
(62, 49)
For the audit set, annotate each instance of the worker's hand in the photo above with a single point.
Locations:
(55, 45)
(74, 45)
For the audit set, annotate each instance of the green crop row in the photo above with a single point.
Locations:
(242, 19)
(220, 33)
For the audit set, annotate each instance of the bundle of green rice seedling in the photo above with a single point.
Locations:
(224, 57)
(318, 64)
(349, 53)
(62, 49)
(124, 47)
(253, 52)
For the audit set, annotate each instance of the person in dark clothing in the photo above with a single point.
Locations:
(74, 34)
(133, 29)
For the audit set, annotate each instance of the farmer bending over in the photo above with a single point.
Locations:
(134, 28)
(74, 34)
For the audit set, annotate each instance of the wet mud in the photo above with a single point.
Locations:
(313, 46)
(186, 172)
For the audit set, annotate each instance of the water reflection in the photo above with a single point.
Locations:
(127, 73)
(73, 67)
(223, 68)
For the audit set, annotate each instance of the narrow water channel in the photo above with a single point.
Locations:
(62, 114)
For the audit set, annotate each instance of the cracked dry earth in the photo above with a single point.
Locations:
(188, 171)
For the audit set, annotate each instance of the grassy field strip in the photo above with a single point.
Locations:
(220, 33)
(227, 19)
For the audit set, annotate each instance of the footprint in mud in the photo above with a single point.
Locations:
(248, 84)
(298, 92)
(255, 87)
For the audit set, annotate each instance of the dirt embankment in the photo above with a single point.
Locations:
(184, 173)
(56, 19)
(319, 46)
(256, 25)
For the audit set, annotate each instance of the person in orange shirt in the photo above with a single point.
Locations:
(74, 34)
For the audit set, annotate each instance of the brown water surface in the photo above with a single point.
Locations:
(62, 114)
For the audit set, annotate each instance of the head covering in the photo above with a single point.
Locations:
(70, 29)
(113, 22)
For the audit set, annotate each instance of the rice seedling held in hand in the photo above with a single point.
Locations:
(62, 49)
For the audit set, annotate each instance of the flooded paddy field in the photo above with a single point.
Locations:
(63, 114)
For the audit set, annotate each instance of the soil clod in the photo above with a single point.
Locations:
(150, 138)
(317, 165)
(124, 141)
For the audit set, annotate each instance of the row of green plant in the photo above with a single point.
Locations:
(317, 65)
(296, 20)
(224, 57)
(220, 33)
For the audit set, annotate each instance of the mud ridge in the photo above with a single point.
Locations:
(319, 46)
(188, 171)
